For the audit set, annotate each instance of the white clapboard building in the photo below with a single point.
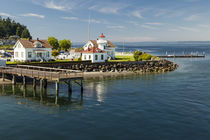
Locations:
(32, 50)
(98, 50)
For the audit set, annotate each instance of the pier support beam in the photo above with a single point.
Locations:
(41, 84)
(57, 91)
(34, 83)
(70, 90)
(24, 80)
(13, 79)
(81, 84)
(45, 83)
(3, 77)
(70, 87)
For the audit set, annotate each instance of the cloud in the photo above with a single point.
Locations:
(52, 5)
(134, 39)
(6, 15)
(154, 23)
(137, 14)
(173, 30)
(108, 8)
(192, 17)
(70, 18)
(204, 26)
(33, 15)
(188, 29)
(118, 27)
(192, 0)
(149, 27)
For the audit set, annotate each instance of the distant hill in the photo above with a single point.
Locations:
(9, 28)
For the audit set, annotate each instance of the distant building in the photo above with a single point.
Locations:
(32, 50)
(75, 53)
(100, 50)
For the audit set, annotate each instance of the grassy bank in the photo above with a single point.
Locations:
(6, 47)
(120, 58)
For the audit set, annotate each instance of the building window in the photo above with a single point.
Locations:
(96, 57)
(89, 57)
(39, 54)
(48, 54)
(29, 54)
(16, 54)
(22, 54)
(84, 57)
(102, 57)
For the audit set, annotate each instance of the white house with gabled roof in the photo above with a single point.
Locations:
(94, 54)
(32, 50)
(103, 48)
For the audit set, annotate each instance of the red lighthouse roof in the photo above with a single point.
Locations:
(102, 36)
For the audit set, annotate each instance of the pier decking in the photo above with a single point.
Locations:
(182, 56)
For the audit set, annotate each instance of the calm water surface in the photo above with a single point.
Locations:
(168, 106)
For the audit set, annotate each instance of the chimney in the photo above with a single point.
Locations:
(37, 39)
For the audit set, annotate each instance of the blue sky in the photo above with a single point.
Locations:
(128, 20)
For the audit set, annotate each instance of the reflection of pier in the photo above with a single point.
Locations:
(42, 96)
(43, 75)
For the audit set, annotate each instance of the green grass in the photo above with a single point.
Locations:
(120, 58)
(6, 47)
(144, 57)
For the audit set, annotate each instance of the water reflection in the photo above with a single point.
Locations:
(28, 95)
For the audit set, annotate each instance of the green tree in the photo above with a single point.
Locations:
(55, 53)
(137, 54)
(64, 44)
(18, 31)
(53, 42)
(25, 34)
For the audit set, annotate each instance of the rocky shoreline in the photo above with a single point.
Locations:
(113, 67)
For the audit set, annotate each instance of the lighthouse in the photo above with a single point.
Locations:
(102, 42)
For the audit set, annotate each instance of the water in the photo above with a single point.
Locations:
(166, 106)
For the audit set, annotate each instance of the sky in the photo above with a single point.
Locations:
(119, 20)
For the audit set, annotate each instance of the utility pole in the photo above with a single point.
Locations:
(89, 28)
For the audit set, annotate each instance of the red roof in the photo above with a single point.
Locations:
(93, 50)
(95, 44)
(102, 36)
(31, 43)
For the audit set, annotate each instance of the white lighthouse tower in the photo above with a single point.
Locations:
(102, 42)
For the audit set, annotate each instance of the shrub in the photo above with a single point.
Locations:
(55, 53)
(137, 54)
(146, 56)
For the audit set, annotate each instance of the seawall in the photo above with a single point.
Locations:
(141, 66)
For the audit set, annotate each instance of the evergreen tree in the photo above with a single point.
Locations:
(18, 31)
(9, 27)
(25, 34)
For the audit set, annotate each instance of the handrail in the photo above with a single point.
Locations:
(51, 75)
(47, 68)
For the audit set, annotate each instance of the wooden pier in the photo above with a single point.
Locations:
(182, 56)
(43, 75)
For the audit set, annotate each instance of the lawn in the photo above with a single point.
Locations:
(120, 58)
(6, 47)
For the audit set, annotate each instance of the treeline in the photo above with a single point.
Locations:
(9, 28)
